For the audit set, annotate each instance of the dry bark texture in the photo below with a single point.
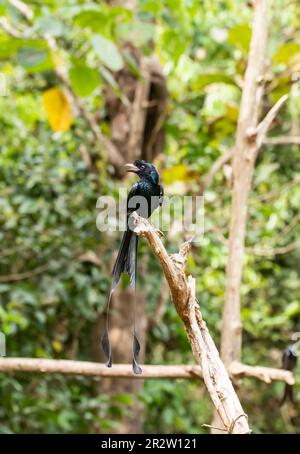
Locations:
(90, 369)
(182, 289)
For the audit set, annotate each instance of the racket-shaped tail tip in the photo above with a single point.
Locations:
(137, 370)
(109, 362)
(106, 348)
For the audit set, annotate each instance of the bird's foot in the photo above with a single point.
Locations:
(159, 233)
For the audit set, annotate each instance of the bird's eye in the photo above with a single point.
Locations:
(143, 167)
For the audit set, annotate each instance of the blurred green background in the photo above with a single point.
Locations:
(50, 298)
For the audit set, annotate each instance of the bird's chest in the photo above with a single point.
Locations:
(148, 189)
(147, 198)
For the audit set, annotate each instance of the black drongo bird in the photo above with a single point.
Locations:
(144, 197)
(289, 362)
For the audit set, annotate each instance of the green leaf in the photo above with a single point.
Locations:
(123, 398)
(151, 6)
(51, 25)
(93, 18)
(84, 80)
(8, 46)
(240, 36)
(29, 57)
(3, 6)
(34, 56)
(132, 63)
(108, 52)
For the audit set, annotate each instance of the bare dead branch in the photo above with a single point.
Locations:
(9, 29)
(283, 140)
(265, 124)
(205, 353)
(265, 374)
(92, 369)
(69, 367)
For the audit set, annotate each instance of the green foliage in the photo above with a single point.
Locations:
(108, 52)
(48, 197)
(84, 80)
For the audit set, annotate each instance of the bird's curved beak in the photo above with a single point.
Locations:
(131, 168)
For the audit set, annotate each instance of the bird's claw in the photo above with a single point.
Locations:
(159, 233)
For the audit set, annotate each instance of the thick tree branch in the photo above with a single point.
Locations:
(68, 367)
(205, 353)
(283, 140)
(266, 374)
(91, 369)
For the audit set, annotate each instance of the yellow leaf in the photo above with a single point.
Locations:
(178, 173)
(58, 109)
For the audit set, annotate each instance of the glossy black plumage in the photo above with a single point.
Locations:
(144, 197)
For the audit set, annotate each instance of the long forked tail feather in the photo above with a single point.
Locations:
(121, 259)
(105, 338)
(288, 395)
(126, 262)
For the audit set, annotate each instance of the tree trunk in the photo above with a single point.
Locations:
(243, 161)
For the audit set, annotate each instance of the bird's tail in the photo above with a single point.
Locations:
(126, 259)
(126, 262)
(288, 395)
